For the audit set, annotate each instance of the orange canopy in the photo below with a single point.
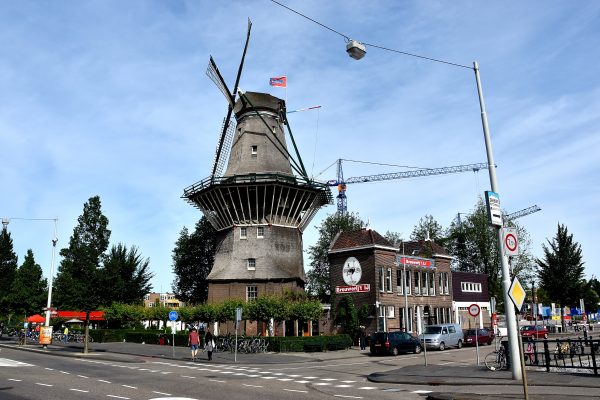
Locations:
(37, 318)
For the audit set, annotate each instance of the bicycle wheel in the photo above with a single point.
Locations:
(493, 361)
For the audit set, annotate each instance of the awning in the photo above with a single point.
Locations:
(36, 318)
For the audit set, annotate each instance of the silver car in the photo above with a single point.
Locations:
(442, 336)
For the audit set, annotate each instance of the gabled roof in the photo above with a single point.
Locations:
(362, 238)
(419, 248)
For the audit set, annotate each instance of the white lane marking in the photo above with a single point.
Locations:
(187, 376)
(117, 397)
(310, 377)
(15, 380)
(231, 372)
(347, 397)
(367, 388)
(5, 362)
(256, 386)
(277, 373)
(83, 376)
(422, 391)
(43, 384)
(343, 386)
(79, 390)
(292, 390)
(267, 377)
(301, 381)
(130, 387)
(322, 384)
(216, 380)
(284, 379)
(102, 380)
(164, 394)
(264, 372)
(49, 369)
(352, 381)
(65, 372)
(296, 376)
(328, 379)
(166, 372)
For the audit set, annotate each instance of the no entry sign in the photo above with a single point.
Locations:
(510, 242)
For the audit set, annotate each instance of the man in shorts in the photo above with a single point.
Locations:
(194, 342)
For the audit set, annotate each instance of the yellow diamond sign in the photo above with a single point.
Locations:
(517, 293)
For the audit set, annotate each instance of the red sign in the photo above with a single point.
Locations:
(364, 288)
(418, 262)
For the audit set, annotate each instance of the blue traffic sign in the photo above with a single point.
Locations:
(173, 315)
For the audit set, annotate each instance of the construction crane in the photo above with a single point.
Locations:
(511, 216)
(341, 183)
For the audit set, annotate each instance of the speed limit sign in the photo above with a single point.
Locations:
(510, 243)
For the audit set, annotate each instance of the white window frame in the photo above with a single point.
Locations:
(388, 280)
(251, 293)
(417, 279)
(399, 281)
(251, 264)
(243, 232)
(260, 232)
(424, 283)
(446, 283)
(381, 279)
(254, 150)
(432, 283)
(408, 282)
(391, 312)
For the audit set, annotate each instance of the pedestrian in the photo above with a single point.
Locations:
(66, 334)
(529, 353)
(362, 340)
(209, 344)
(193, 342)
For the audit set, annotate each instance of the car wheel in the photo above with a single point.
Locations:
(442, 346)
(395, 351)
(418, 349)
(459, 345)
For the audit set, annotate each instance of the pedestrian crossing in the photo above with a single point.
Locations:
(5, 362)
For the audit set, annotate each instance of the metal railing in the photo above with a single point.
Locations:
(560, 355)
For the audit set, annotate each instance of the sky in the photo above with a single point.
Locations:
(110, 98)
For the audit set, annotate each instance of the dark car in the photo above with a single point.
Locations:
(394, 343)
(535, 332)
(484, 336)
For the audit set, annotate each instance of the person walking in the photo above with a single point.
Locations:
(193, 342)
(209, 344)
(66, 334)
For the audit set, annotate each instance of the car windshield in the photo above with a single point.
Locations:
(433, 329)
(470, 332)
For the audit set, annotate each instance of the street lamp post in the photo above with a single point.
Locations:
(512, 329)
(5, 222)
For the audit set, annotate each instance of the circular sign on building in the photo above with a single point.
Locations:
(474, 310)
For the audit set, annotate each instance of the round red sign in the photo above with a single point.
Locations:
(474, 310)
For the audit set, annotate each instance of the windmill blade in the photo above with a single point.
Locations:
(230, 98)
(213, 73)
(219, 161)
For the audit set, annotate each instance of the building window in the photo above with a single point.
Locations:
(391, 312)
(251, 293)
(243, 232)
(260, 232)
(254, 151)
(399, 281)
(407, 281)
(441, 282)
(381, 279)
(424, 283)
(146, 297)
(251, 264)
(470, 287)
(388, 280)
(432, 283)
(381, 319)
(417, 275)
(446, 282)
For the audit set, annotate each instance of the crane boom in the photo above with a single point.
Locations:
(522, 213)
(341, 183)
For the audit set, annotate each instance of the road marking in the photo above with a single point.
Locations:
(216, 380)
(422, 391)
(328, 379)
(343, 386)
(322, 384)
(5, 362)
(310, 377)
(299, 391)
(117, 397)
(15, 380)
(284, 379)
(347, 397)
(352, 381)
(187, 376)
(79, 390)
(65, 372)
(164, 394)
(102, 380)
(301, 381)
(42, 384)
(49, 369)
(367, 388)
(227, 372)
(130, 387)
(166, 372)
(83, 376)
(267, 377)
(256, 386)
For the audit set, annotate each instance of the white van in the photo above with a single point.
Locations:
(442, 336)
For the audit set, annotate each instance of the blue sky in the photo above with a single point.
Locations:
(110, 98)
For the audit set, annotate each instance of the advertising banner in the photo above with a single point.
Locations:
(46, 335)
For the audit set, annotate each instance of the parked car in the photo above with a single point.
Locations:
(537, 332)
(394, 343)
(442, 336)
(484, 336)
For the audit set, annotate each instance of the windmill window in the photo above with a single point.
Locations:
(243, 232)
(260, 232)
(254, 151)
(251, 264)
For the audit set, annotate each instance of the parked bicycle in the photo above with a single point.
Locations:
(496, 360)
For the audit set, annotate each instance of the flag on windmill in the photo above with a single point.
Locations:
(280, 81)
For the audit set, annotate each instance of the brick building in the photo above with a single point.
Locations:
(367, 267)
(471, 288)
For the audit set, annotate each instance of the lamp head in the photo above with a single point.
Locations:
(355, 49)
(5, 222)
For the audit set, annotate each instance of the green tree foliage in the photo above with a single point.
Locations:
(79, 283)
(29, 289)
(395, 238)
(318, 280)
(8, 270)
(193, 258)
(126, 275)
(428, 227)
(590, 296)
(561, 269)
(347, 316)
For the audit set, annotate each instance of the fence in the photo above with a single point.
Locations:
(575, 355)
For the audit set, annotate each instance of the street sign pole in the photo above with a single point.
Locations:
(474, 311)
(173, 317)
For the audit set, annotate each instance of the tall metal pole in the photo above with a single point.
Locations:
(512, 330)
(50, 278)
(405, 288)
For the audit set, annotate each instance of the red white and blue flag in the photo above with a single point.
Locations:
(279, 81)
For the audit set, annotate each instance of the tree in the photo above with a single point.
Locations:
(428, 228)
(126, 275)
(79, 283)
(29, 290)
(590, 295)
(193, 259)
(318, 280)
(347, 316)
(8, 270)
(561, 270)
(395, 238)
